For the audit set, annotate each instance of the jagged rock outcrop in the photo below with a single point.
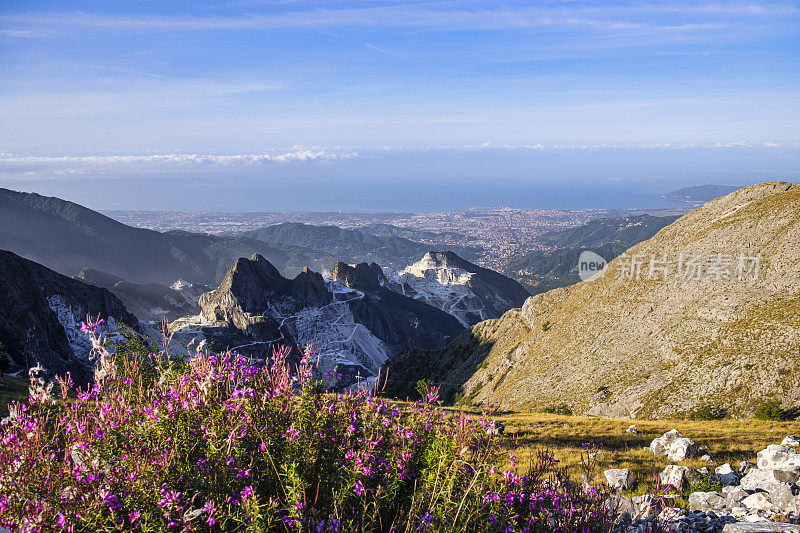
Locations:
(41, 313)
(707, 312)
(352, 320)
(243, 296)
(396, 319)
(466, 291)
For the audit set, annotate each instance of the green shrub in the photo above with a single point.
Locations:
(770, 410)
(705, 483)
(423, 386)
(707, 412)
(562, 409)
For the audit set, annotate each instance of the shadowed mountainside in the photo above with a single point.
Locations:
(348, 245)
(149, 301)
(543, 270)
(68, 237)
(40, 314)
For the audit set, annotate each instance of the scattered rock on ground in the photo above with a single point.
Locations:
(677, 476)
(618, 478)
(791, 440)
(752, 496)
(763, 527)
(745, 467)
(675, 446)
(726, 475)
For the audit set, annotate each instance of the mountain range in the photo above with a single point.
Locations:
(556, 264)
(141, 265)
(351, 319)
(705, 313)
(386, 247)
(67, 238)
(358, 318)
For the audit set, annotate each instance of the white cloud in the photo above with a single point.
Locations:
(7, 159)
(22, 34)
(342, 153)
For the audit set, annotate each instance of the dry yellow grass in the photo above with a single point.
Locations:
(730, 441)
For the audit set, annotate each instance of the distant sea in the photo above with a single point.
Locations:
(423, 181)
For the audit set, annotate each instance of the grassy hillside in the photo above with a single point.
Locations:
(655, 347)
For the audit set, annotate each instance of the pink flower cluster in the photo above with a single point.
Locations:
(220, 442)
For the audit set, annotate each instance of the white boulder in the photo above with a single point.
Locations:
(791, 440)
(769, 479)
(704, 501)
(758, 500)
(675, 446)
(726, 475)
(618, 478)
(778, 456)
(676, 476)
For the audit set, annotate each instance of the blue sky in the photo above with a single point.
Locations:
(108, 95)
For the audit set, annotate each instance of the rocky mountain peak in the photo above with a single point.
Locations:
(447, 268)
(309, 288)
(362, 276)
(244, 290)
(444, 267)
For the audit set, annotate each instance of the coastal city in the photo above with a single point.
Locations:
(500, 233)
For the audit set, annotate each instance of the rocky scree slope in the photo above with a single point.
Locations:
(41, 312)
(623, 345)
